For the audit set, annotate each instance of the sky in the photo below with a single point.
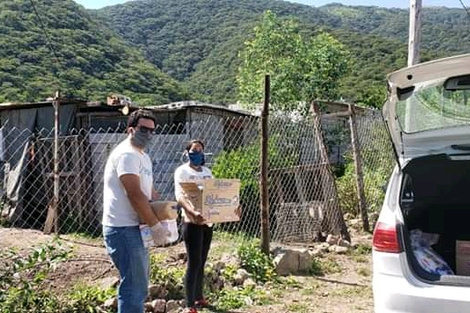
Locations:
(96, 4)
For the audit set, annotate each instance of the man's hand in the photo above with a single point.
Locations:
(155, 195)
(160, 234)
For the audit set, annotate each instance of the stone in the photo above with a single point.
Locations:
(172, 306)
(238, 280)
(316, 252)
(249, 283)
(157, 292)
(159, 306)
(323, 246)
(293, 261)
(332, 239)
(344, 243)
(108, 282)
(340, 250)
(218, 266)
(243, 273)
(111, 303)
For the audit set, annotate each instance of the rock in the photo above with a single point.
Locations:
(157, 292)
(230, 259)
(293, 261)
(238, 280)
(110, 303)
(356, 222)
(305, 261)
(219, 266)
(159, 306)
(340, 250)
(344, 243)
(332, 239)
(249, 283)
(172, 306)
(243, 273)
(108, 282)
(148, 307)
(218, 284)
(316, 252)
(323, 246)
(248, 301)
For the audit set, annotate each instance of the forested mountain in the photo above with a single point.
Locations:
(157, 51)
(90, 61)
(198, 41)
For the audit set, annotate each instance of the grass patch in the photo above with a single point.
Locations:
(321, 267)
(298, 307)
(361, 249)
(364, 271)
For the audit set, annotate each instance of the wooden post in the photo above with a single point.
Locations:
(264, 169)
(358, 168)
(414, 32)
(52, 214)
(333, 216)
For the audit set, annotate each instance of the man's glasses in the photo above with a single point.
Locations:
(145, 129)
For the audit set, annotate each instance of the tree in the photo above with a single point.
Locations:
(301, 69)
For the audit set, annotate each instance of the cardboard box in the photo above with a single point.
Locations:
(164, 210)
(216, 199)
(462, 257)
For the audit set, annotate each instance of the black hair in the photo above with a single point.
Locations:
(134, 117)
(192, 142)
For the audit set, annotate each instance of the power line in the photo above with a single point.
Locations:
(44, 30)
(49, 44)
(463, 4)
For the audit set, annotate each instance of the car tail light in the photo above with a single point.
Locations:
(386, 238)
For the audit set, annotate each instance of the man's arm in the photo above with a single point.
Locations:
(138, 200)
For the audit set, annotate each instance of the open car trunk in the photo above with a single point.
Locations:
(435, 199)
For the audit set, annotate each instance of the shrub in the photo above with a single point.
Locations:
(255, 262)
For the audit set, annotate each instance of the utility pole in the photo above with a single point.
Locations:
(414, 39)
(414, 32)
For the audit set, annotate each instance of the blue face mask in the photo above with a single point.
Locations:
(196, 158)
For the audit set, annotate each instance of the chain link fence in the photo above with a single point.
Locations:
(303, 195)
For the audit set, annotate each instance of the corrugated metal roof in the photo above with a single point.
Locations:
(181, 105)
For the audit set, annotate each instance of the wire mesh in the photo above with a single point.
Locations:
(303, 199)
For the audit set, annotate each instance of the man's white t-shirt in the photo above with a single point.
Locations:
(187, 173)
(124, 159)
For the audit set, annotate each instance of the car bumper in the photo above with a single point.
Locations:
(399, 295)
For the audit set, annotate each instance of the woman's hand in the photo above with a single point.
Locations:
(198, 218)
(238, 211)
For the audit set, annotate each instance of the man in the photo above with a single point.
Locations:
(128, 188)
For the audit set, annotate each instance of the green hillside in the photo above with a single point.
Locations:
(198, 41)
(91, 60)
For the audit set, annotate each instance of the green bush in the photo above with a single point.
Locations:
(22, 279)
(230, 299)
(169, 277)
(244, 164)
(84, 298)
(255, 262)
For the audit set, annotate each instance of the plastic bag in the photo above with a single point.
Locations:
(170, 228)
(427, 258)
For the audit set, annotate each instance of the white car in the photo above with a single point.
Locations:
(421, 242)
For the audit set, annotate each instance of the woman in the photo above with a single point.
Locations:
(197, 235)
